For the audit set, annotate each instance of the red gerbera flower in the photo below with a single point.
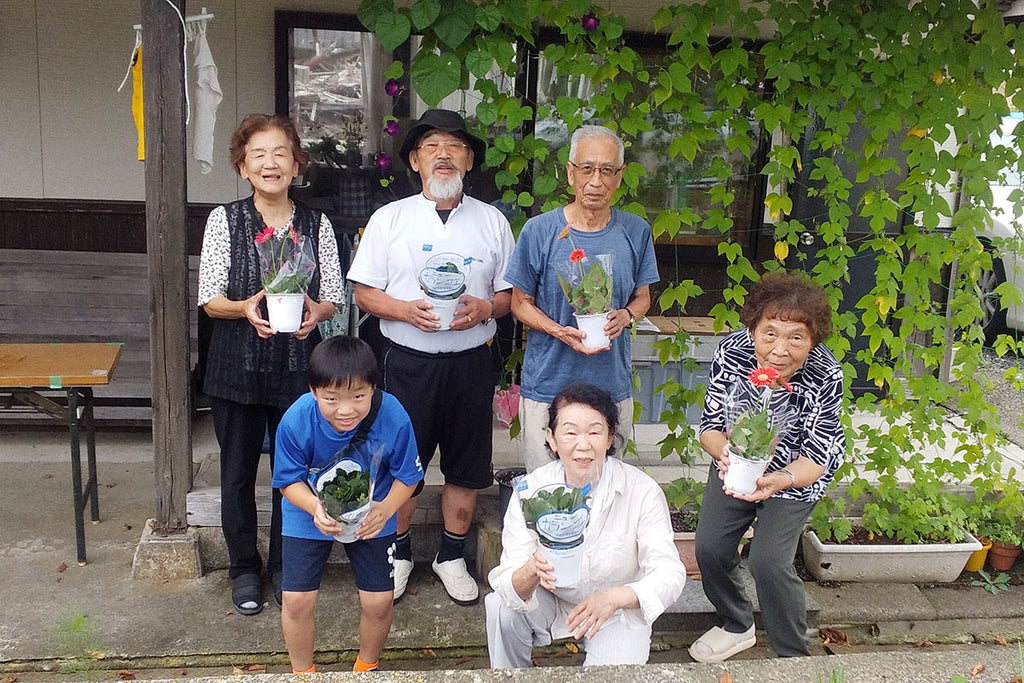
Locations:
(763, 377)
(576, 255)
(264, 235)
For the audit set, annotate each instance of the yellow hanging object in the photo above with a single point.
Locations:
(781, 250)
(137, 101)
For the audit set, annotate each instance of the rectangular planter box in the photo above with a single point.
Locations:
(925, 563)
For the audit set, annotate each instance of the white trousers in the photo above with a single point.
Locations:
(512, 635)
(533, 418)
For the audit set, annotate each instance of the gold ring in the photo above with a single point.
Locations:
(469, 318)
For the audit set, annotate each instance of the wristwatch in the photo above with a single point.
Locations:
(490, 316)
(632, 318)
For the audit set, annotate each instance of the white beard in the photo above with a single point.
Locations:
(444, 189)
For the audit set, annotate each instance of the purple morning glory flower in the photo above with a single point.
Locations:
(392, 87)
(391, 128)
(383, 161)
(590, 22)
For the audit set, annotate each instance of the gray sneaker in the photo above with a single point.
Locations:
(460, 586)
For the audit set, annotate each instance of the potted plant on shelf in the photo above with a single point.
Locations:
(353, 132)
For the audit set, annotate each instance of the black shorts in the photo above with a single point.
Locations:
(448, 397)
(305, 560)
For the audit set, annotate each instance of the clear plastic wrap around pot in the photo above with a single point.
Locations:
(346, 490)
(756, 418)
(559, 513)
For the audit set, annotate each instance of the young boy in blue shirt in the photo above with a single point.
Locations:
(314, 431)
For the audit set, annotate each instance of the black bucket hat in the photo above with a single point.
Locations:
(446, 121)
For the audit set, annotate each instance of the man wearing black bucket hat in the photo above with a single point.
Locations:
(432, 268)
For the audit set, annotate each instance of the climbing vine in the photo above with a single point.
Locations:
(928, 85)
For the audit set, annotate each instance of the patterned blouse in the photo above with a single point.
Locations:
(817, 396)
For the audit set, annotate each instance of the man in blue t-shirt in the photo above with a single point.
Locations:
(587, 228)
(320, 428)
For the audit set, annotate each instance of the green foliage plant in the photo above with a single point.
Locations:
(685, 496)
(558, 499)
(993, 584)
(927, 84)
(346, 492)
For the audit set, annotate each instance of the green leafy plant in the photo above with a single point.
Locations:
(587, 283)
(286, 260)
(685, 496)
(346, 492)
(924, 87)
(993, 584)
(559, 499)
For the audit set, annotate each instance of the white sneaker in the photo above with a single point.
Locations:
(460, 586)
(402, 570)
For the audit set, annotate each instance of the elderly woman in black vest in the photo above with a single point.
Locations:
(252, 373)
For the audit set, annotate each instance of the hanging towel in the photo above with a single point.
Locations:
(207, 97)
(137, 100)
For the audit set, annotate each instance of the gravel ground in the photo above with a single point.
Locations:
(1008, 400)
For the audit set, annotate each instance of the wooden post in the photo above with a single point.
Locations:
(163, 78)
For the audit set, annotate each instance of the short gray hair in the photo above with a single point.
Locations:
(585, 132)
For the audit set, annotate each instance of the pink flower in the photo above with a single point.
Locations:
(590, 22)
(383, 161)
(392, 88)
(766, 377)
(391, 128)
(576, 255)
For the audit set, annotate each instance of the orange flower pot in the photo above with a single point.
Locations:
(977, 559)
(1002, 556)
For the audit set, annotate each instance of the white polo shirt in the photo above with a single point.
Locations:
(406, 236)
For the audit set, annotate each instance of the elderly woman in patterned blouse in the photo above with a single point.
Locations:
(786, 317)
(252, 373)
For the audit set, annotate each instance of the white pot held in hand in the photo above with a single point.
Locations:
(284, 311)
(593, 325)
(445, 308)
(743, 473)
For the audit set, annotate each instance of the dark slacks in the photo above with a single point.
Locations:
(240, 429)
(780, 592)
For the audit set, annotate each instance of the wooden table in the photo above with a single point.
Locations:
(29, 370)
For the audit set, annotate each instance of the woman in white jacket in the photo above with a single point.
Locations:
(630, 571)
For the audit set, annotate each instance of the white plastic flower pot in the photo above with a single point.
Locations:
(743, 473)
(593, 326)
(566, 559)
(349, 521)
(285, 311)
(445, 308)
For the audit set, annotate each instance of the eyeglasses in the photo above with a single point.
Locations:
(434, 147)
(587, 170)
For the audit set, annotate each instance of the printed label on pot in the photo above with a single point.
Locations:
(563, 527)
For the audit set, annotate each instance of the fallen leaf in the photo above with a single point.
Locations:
(924, 643)
(977, 669)
(412, 590)
(237, 671)
(10, 679)
(62, 567)
(126, 675)
(429, 653)
(462, 660)
(256, 667)
(99, 656)
(183, 672)
(726, 677)
(228, 612)
(562, 654)
(1001, 640)
(572, 647)
(833, 636)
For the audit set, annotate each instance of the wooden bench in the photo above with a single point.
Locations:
(74, 296)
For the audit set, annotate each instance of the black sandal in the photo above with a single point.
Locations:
(247, 594)
(276, 579)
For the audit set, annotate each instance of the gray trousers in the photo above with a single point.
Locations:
(723, 519)
(512, 635)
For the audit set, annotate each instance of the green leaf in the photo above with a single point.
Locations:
(488, 17)
(479, 62)
(424, 13)
(370, 11)
(392, 30)
(455, 23)
(435, 76)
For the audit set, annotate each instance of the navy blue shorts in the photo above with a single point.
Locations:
(305, 560)
(448, 397)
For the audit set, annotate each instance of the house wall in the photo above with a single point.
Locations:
(66, 131)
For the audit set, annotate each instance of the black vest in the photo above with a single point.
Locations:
(241, 366)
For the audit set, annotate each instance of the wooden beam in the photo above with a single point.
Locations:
(163, 78)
